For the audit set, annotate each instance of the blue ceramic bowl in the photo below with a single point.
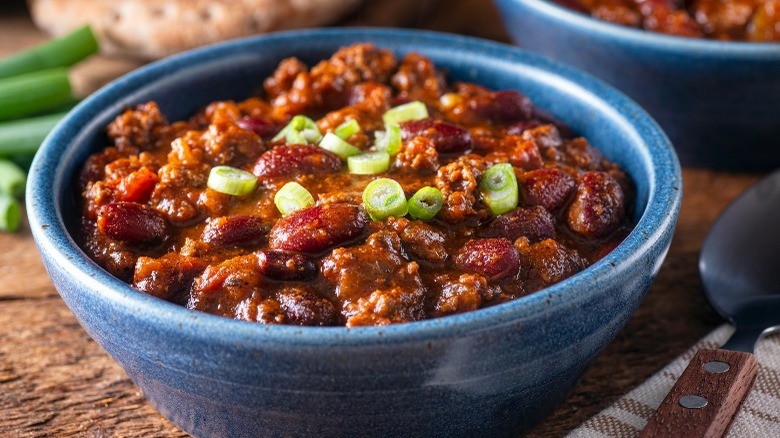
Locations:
(717, 101)
(492, 372)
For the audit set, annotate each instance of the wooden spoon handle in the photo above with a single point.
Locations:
(713, 386)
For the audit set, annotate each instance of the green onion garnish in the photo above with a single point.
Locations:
(300, 130)
(231, 181)
(384, 197)
(32, 93)
(425, 203)
(10, 213)
(333, 143)
(347, 129)
(61, 52)
(369, 163)
(388, 140)
(12, 179)
(23, 137)
(415, 110)
(292, 197)
(499, 188)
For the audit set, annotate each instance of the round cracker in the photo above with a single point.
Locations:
(152, 29)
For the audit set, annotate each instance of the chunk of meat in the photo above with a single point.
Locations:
(290, 160)
(597, 208)
(143, 127)
(461, 293)
(422, 241)
(418, 79)
(493, 258)
(166, 276)
(176, 194)
(375, 283)
(316, 229)
(417, 155)
(534, 223)
(546, 262)
(458, 182)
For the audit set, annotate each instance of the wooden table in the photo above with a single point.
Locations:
(55, 381)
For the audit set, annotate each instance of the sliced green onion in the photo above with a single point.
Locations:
(347, 129)
(61, 52)
(292, 197)
(369, 163)
(23, 137)
(231, 181)
(499, 188)
(300, 130)
(12, 179)
(425, 203)
(415, 110)
(384, 197)
(32, 93)
(10, 213)
(335, 144)
(388, 140)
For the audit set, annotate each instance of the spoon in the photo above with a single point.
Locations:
(740, 270)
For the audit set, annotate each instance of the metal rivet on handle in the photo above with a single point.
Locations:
(716, 367)
(693, 402)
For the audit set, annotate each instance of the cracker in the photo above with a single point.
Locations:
(152, 29)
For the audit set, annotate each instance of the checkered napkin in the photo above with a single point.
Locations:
(759, 416)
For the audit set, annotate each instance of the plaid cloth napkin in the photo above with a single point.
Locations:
(759, 416)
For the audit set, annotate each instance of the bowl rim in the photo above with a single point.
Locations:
(53, 239)
(688, 46)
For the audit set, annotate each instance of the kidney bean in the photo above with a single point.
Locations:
(494, 258)
(504, 106)
(313, 230)
(264, 127)
(549, 188)
(521, 126)
(597, 208)
(534, 223)
(166, 276)
(304, 307)
(132, 223)
(446, 137)
(286, 266)
(287, 160)
(238, 230)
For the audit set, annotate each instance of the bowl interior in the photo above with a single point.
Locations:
(235, 70)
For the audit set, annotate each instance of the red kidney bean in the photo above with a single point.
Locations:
(313, 230)
(238, 230)
(494, 258)
(168, 275)
(521, 126)
(264, 127)
(597, 207)
(446, 137)
(535, 223)
(132, 223)
(504, 106)
(286, 266)
(549, 188)
(287, 160)
(304, 307)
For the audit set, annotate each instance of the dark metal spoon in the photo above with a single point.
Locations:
(740, 270)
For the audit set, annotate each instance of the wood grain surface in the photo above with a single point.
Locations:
(55, 381)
